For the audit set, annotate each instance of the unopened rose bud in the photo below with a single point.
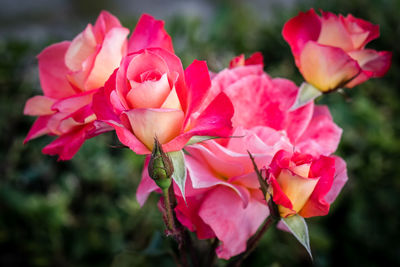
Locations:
(160, 166)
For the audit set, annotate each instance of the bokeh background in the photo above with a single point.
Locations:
(83, 212)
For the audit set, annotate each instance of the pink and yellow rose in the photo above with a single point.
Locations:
(151, 96)
(70, 74)
(300, 183)
(330, 51)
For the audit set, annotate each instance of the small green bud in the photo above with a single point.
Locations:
(160, 166)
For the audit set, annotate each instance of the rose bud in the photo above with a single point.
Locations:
(300, 183)
(160, 166)
(330, 52)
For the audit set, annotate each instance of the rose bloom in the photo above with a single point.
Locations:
(304, 185)
(70, 73)
(330, 51)
(150, 96)
(222, 190)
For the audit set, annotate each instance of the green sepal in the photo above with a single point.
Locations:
(179, 175)
(197, 139)
(306, 94)
(298, 227)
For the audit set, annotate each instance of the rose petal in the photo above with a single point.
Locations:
(146, 186)
(68, 144)
(39, 128)
(149, 33)
(327, 68)
(322, 135)
(231, 223)
(108, 58)
(334, 33)
(53, 71)
(324, 168)
(104, 23)
(198, 83)
(82, 46)
(149, 94)
(39, 106)
(147, 124)
(361, 31)
(339, 180)
(301, 29)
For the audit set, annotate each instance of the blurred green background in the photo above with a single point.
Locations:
(83, 212)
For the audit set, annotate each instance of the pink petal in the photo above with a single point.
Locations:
(39, 106)
(255, 59)
(198, 83)
(361, 31)
(372, 63)
(39, 128)
(237, 61)
(188, 214)
(251, 108)
(83, 115)
(324, 168)
(143, 62)
(339, 179)
(104, 23)
(322, 136)
(298, 120)
(53, 71)
(149, 94)
(82, 46)
(165, 124)
(108, 58)
(232, 224)
(146, 186)
(263, 142)
(149, 33)
(73, 103)
(68, 144)
(129, 139)
(334, 33)
(301, 29)
(102, 107)
(228, 77)
(215, 120)
(207, 170)
(327, 68)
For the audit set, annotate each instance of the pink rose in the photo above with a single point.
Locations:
(70, 73)
(151, 96)
(260, 101)
(222, 192)
(255, 59)
(304, 185)
(330, 50)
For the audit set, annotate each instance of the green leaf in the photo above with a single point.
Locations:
(197, 139)
(179, 175)
(307, 93)
(298, 227)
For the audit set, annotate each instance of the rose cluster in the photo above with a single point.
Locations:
(104, 81)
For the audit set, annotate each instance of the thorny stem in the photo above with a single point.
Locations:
(176, 229)
(170, 219)
(253, 242)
